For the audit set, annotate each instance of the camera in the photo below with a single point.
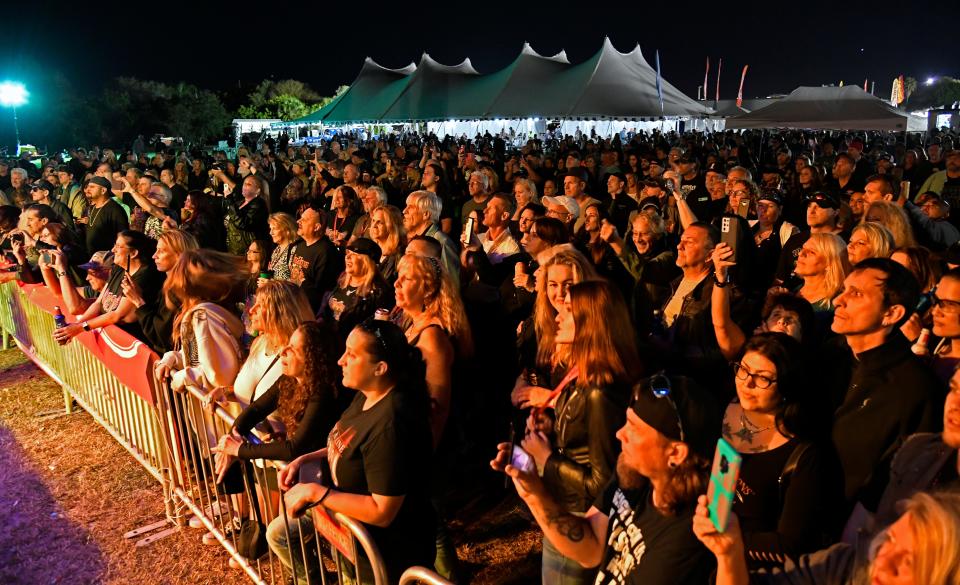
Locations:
(18, 238)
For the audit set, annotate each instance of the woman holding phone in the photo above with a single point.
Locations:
(790, 486)
(378, 453)
(132, 256)
(577, 459)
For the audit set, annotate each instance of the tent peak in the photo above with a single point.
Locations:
(369, 63)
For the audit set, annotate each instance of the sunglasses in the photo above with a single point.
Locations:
(662, 390)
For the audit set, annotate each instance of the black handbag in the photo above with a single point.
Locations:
(252, 541)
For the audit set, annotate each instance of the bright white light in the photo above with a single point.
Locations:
(929, 81)
(13, 94)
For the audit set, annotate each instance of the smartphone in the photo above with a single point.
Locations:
(468, 231)
(522, 460)
(45, 256)
(128, 264)
(743, 209)
(722, 490)
(905, 190)
(730, 233)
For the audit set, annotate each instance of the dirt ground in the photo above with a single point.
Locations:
(69, 491)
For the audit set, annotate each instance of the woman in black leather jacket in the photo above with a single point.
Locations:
(601, 362)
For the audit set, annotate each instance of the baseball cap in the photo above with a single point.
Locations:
(680, 409)
(100, 261)
(823, 200)
(367, 247)
(580, 174)
(650, 203)
(771, 195)
(43, 185)
(573, 208)
(716, 167)
(102, 182)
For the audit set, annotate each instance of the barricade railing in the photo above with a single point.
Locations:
(422, 575)
(105, 371)
(110, 375)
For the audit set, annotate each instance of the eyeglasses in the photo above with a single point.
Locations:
(947, 306)
(743, 374)
(661, 388)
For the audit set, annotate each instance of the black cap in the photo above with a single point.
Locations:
(43, 185)
(367, 247)
(716, 167)
(578, 173)
(102, 182)
(681, 410)
(686, 158)
(771, 195)
(650, 202)
(619, 175)
(823, 200)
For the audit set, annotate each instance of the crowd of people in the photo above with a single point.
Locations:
(390, 310)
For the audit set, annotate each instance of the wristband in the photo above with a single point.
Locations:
(324, 496)
(85, 325)
(61, 274)
(721, 283)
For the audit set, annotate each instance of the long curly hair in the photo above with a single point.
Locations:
(441, 298)
(544, 315)
(321, 375)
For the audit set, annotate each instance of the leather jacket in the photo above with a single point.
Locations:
(585, 456)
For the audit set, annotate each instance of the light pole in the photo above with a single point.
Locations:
(13, 94)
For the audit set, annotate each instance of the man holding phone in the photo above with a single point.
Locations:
(638, 530)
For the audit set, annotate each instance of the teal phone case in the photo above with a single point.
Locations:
(723, 484)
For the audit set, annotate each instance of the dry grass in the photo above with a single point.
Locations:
(69, 492)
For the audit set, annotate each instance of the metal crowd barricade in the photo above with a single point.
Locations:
(422, 575)
(191, 432)
(110, 375)
(123, 408)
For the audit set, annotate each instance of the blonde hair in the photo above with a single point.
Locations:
(834, 252)
(283, 306)
(530, 187)
(895, 219)
(393, 219)
(935, 522)
(178, 241)
(879, 237)
(441, 298)
(286, 224)
(544, 315)
(368, 275)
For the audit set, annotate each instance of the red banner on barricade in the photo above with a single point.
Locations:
(335, 533)
(128, 359)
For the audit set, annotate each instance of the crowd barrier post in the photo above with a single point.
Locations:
(422, 575)
(110, 375)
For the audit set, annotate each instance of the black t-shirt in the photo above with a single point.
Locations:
(644, 547)
(150, 282)
(103, 225)
(698, 197)
(318, 264)
(386, 450)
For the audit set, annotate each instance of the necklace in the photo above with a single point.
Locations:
(96, 213)
(748, 429)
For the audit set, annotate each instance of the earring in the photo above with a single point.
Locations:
(672, 465)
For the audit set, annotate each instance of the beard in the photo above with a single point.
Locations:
(628, 477)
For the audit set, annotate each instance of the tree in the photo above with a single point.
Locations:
(196, 115)
(288, 107)
(944, 91)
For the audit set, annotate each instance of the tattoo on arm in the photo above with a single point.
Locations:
(570, 527)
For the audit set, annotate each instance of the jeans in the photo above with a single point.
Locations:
(282, 544)
(560, 570)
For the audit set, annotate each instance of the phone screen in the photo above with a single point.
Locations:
(722, 490)
(468, 231)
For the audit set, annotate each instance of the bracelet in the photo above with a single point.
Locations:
(324, 496)
(61, 274)
(85, 325)
(721, 283)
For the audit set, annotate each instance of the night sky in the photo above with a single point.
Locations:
(219, 45)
